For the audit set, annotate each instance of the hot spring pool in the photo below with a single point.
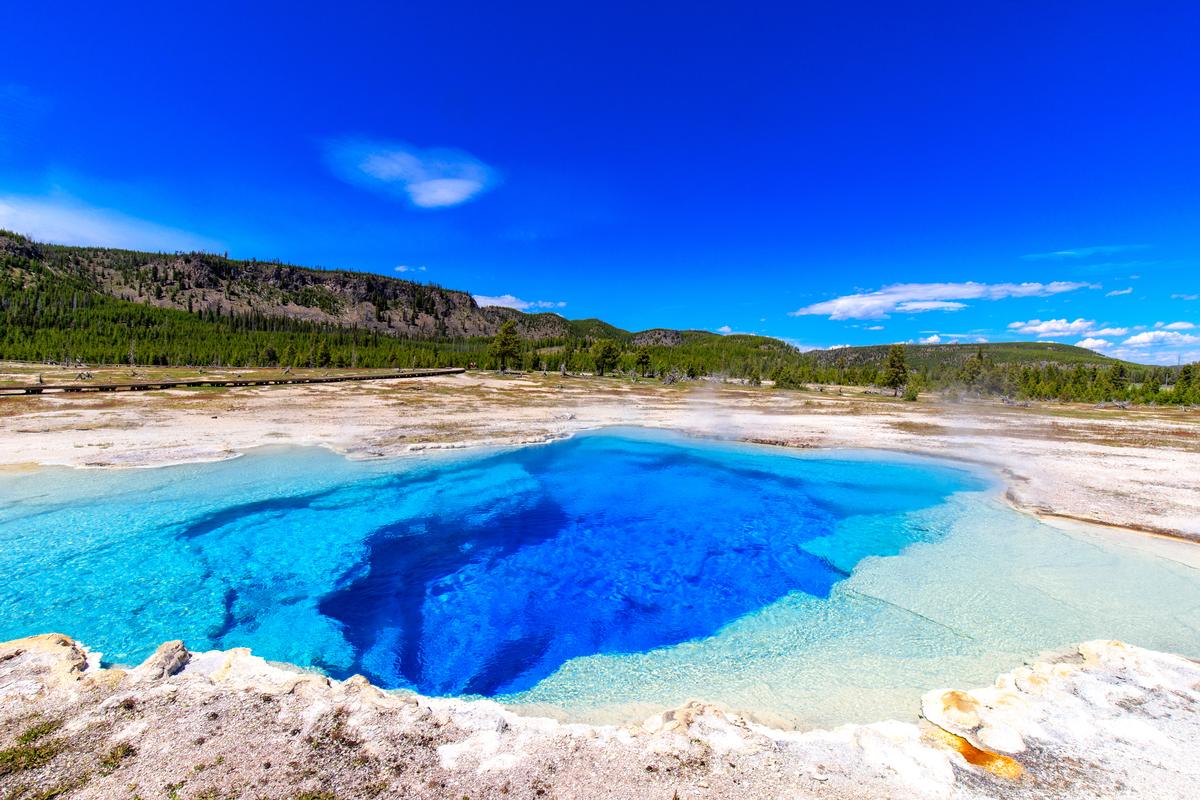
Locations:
(597, 578)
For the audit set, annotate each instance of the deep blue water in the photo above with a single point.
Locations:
(466, 575)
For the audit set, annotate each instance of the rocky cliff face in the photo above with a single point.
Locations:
(658, 337)
(202, 282)
(1104, 719)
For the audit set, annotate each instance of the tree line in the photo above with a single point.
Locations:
(46, 316)
(981, 376)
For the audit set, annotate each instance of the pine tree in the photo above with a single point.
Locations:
(642, 360)
(605, 353)
(568, 355)
(1119, 377)
(895, 369)
(1187, 384)
(324, 358)
(506, 345)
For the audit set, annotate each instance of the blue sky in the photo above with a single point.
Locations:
(829, 173)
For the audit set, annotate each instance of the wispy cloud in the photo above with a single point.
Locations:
(1149, 338)
(919, 306)
(1085, 252)
(428, 178)
(803, 347)
(1063, 327)
(1185, 297)
(63, 220)
(510, 301)
(944, 335)
(725, 330)
(404, 268)
(1159, 355)
(1140, 343)
(917, 298)
(1119, 292)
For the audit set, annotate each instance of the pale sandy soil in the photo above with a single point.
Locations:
(1102, 720)
(1133, 468)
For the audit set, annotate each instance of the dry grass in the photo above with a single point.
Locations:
(918, 428)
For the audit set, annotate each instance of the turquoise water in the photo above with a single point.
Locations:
(593, 578)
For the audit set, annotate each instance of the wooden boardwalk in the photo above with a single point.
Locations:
(148, 385)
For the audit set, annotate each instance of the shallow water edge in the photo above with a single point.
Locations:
(558, 694)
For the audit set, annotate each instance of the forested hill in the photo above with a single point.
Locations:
(224, 287)
(938, 357)
(94, 305)
(102, 305)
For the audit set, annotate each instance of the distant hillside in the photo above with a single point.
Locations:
(203, 282)
(62, 303)
(87, 304)
(942, 356)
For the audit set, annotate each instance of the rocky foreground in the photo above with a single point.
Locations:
(1105, 719)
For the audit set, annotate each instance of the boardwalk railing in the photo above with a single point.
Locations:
(147, 385)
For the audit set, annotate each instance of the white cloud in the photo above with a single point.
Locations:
(1164, 356)
(920, 297)
(1185, 297)
(1149, 338)
(510, 301)
(935, 339)
(838, 346)
(726, 330)
(1163, 335)
(1053, 327)
(955, 336)
(918, 306)
(874, 327)
(803, 347)
(428, 178)
(63, 220)
(403, 268)
(1085, 252)
(1119, 292)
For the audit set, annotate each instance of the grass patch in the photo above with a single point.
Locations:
(215, 794)
(39, 730)
(112, 759)
(29, 756)
(59, 789)
(919, 428)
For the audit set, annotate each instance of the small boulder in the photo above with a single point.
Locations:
(168, 659)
